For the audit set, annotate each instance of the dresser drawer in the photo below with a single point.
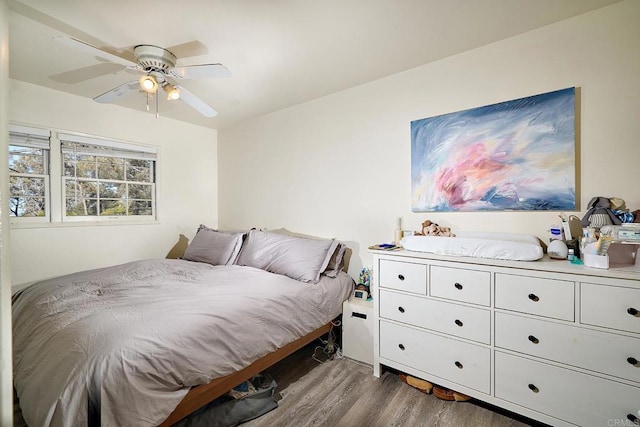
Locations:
(610, 307)
(404, 276)
(543, 297)
(597, 351)
(461, 321)
(461, 285)
(564, 394)
(456, 361)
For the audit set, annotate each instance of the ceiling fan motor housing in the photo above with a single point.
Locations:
(154, 58)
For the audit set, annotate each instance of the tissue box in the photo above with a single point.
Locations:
(596, 261)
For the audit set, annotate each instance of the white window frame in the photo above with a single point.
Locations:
(20, 131)
(115, 149)
(55, 182)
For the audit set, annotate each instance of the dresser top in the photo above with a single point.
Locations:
(545, 264)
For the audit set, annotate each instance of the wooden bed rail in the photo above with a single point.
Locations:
(203, 394)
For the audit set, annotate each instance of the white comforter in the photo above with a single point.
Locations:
(139, 335)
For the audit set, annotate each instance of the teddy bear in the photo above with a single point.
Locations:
(432, 229)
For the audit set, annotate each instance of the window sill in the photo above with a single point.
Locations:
(84, 223)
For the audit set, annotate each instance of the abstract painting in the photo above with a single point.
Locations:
(514, 155)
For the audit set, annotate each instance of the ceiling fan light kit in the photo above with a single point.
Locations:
(172, 92)
(159, 68)
(148, 84)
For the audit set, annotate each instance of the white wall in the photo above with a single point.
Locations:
(340, 165)
(187, 174)
(6, 368)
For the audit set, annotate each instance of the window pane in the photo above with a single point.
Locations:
(19, 150)
(87, 189)
(140, 191)
(139, 170)
(81, 189)
(112, 207)
(69, 164)
(26, 160)
(82, 207)
(26, 206)
(140, 207)
(106, 185)
(21, 186)
(26, 164)
(85, 158)
(27, 196)
(71, 189)
(110, 168)
(112, 190)
(86, 169)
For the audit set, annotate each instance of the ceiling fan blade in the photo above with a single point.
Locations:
(117, 92)
(95, 51)
(196, 103)
(86, 73)
(200, 71)
(188, 49)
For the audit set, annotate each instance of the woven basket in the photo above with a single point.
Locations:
(446, 394)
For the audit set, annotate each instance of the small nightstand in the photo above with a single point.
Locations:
(357, 330)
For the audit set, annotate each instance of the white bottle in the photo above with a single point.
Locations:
(398, 233)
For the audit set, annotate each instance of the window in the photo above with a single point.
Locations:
(60, 178)
(106, 179)
(29, 172)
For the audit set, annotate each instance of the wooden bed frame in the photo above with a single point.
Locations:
(203, 394)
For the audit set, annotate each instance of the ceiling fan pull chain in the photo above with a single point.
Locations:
(147, 101)
(157, 106)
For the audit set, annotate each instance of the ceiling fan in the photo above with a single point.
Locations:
(159, 70)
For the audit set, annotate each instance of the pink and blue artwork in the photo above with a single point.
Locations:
(514, 155)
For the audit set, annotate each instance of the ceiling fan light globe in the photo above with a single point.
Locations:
(173, 92)
(148, 84)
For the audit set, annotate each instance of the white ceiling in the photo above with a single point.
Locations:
(280, 52)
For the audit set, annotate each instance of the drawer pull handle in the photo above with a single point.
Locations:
(533, 388)
(459, 365)
(458, 286)
(401, 309)
(533, 339)
(633, 361)
(633, 419)
(401, 347)
(534, 297)
(400, 276)
(459, 323)
(632, 311)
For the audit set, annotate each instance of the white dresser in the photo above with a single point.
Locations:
(555, 342)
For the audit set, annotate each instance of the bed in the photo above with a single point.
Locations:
(148, 342)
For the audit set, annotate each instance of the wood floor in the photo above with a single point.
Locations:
(343, 392)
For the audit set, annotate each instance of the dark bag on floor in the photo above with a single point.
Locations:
(229, 411)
